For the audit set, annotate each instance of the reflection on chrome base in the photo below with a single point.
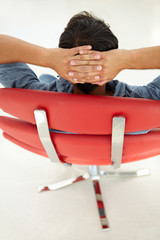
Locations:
(64, 183)
(100, 205)
(94, 172)
(138, 173)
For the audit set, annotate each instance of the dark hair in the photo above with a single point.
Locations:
(86, 29)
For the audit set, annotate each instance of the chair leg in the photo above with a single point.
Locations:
(94, 171)
(100, 205)
(64, 183)
(138, 173)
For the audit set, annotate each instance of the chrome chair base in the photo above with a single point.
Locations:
(95, 175)
(63, 184)
(138, 173)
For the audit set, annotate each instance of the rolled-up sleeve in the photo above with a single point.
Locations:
(150, 91)
(20, 75)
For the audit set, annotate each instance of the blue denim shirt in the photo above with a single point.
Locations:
(20, 75)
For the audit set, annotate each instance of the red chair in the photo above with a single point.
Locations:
(96, 127)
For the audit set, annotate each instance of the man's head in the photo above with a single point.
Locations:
(86, 29)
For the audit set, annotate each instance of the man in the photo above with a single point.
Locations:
(81, 69)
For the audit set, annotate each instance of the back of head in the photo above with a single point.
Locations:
(86, 29)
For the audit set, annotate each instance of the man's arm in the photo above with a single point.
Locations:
(16, 50)
(143, 58)
(114, 61)
(118, 60)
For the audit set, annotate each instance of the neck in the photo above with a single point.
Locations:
(100, 90)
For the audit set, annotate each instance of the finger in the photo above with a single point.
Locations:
(89, 52)
(87, 77)
(84, 48)
(101, 83)
(88, 56)
(85, 62)
(74, 80)
(96, 82)
(85, 69)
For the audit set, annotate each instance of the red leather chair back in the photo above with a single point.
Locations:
(81, 113)
(89, 116)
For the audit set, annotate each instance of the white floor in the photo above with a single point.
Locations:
(133, 205)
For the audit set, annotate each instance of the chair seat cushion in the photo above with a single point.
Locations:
(80, 148)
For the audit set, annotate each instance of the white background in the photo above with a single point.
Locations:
(132, 204)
